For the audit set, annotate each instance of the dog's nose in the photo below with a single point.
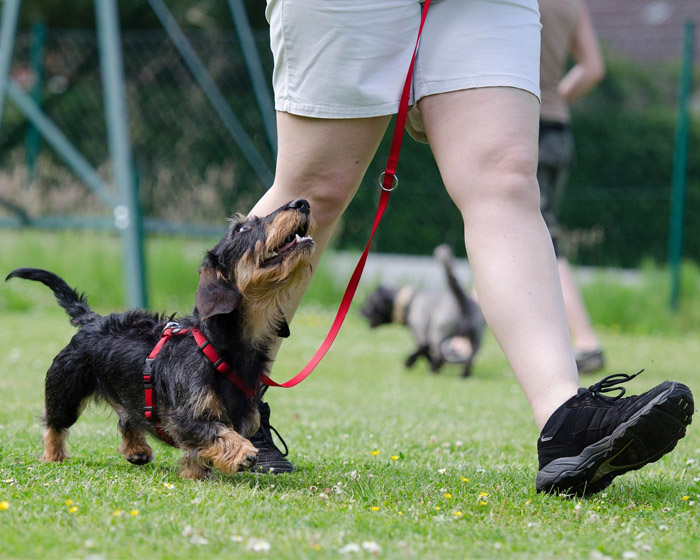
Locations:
(300, 204)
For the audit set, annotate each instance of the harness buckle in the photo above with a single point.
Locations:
(172, 326)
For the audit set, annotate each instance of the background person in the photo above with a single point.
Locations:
(567, 29)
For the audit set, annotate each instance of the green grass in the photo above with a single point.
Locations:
(436, 435)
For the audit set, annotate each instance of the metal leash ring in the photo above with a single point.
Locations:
(394, 184)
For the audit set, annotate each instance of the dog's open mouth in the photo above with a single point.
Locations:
(293, 241)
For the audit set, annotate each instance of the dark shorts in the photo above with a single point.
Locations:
(556, 149)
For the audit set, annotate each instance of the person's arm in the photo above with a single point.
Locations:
(589, 68)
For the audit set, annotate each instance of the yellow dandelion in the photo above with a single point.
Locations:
(116, 513)
(448, 495)
(457, 514)
(317, 547)
(134, 512)
(685, 498)
(483, 494)
(437, 508)
(464, 479)
(73, 509)
(375, 452)
(69, 502)
(401, 513)
(374, 508)
(394, 457)
(482, 503)
(4, 505)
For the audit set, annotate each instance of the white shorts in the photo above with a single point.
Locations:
(349, 58)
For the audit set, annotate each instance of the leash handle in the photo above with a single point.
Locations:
(388, 182)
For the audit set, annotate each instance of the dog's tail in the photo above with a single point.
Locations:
(74, 303)
(443, 253)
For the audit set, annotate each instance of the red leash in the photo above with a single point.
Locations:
(388, 181)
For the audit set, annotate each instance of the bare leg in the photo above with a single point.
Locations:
(485, 143)
(580, 326)
(323, 161)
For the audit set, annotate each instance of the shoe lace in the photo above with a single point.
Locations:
(266, 430)
(608, 384)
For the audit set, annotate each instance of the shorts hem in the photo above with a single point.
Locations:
(495, 80)
(330, 112)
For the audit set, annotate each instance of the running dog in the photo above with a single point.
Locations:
(199, 393)
(434, 317)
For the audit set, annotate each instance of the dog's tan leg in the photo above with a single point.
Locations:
(134, 446)
(195, 467)
(54, 446)
(230, 452)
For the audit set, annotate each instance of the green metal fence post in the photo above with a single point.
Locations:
(8, 27)
(680, 158)
(257, 74)
(36, 55)
(127, 215)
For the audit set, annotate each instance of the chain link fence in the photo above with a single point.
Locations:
(190, 170)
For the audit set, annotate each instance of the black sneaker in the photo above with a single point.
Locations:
(591, 438)
(270, 458)
(590, 362)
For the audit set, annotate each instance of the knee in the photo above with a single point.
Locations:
(501, 178)
(328, 193)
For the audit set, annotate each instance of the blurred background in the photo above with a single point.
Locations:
(193, 168)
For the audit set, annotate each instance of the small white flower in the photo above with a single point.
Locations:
(690, 461)
(442, 471)
(236, 538)
(629, 555)
(481, 470)
(663, 527)
(350, 548)
(458, 443)
(258, 545)
(198, 539)
(371, 547)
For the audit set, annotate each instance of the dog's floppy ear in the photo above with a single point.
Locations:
(215, 295)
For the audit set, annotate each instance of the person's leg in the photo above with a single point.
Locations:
(485, 144)
(323, 161)
(580, 326)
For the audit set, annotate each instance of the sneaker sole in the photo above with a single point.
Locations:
(647, 436)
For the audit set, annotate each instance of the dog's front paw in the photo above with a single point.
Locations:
(231, 452)
(141, 458)
(136, 453)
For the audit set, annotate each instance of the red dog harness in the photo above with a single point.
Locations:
(174, 329)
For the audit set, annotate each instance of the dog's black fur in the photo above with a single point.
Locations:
(243, 281)
(434, 316)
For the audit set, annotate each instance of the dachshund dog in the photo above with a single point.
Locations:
(435, 317)
(198, 391)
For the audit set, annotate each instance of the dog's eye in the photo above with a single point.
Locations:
(243, 229)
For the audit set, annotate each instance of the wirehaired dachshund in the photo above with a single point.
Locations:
(243, 283)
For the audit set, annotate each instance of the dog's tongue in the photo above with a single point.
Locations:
(287, 246)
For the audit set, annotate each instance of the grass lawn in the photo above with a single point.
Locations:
(391, 463)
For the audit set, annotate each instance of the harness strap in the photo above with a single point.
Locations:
(388, 182)
(172, 329)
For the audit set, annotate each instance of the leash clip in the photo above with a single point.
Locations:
(394, 184)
